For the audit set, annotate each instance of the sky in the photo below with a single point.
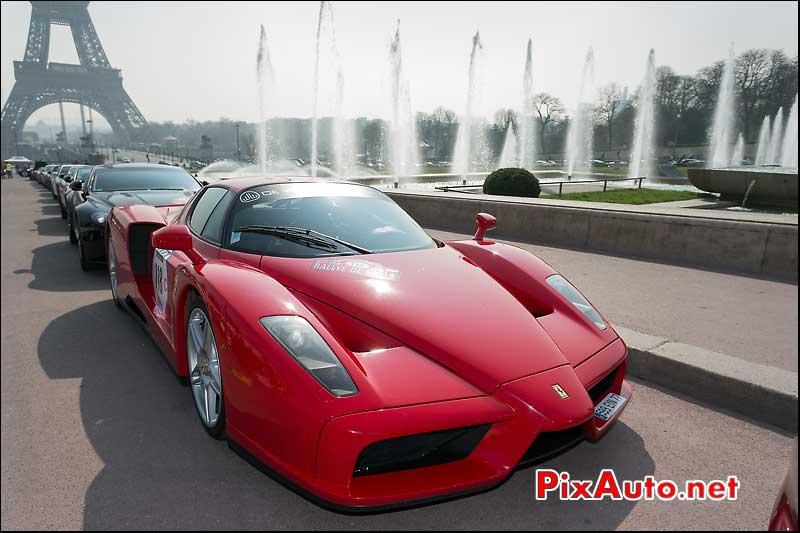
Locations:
(197, 60)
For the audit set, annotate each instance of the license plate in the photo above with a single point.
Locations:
(609, 406)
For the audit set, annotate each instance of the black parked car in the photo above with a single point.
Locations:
(123, 184)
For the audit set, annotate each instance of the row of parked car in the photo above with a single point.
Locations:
(86, 194)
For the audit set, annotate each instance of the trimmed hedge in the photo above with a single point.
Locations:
(512, 182)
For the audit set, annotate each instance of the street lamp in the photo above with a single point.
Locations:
(238, 155)
(91, 135)
(677, 128)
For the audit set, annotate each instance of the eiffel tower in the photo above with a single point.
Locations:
(93, 83)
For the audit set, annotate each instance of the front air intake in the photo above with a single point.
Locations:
(549, 443)
(602, 386)
(418, 451)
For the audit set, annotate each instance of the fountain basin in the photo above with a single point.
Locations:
(773, 187)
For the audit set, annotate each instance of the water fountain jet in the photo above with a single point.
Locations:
(722, 127)
(464, 140)
(527, 139)
(738, 152)
(326, 34)
(641, 164)
(773, 153)
(508, 157)
(265, 77)
(763, 142)
(344, 135)
(789, 149)
(403, 149)
(580, 137)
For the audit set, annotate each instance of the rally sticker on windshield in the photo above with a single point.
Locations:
(252, 196)
(160, 281)
(367, 269)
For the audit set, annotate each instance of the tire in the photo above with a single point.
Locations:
(112, 273)
(205, 369)
(73, 239)
(85, 263)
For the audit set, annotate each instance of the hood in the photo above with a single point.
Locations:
(435, 301)
(150, 197)
(169, 212)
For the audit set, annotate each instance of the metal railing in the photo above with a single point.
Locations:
(456, 188)
(605, 183)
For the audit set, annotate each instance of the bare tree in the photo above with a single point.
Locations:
(606, 107)
(780, 86)
(503, 118)
(445, 116)
(445, 123)
(685, 102)
(674, 96)
(752, 84)
(707, 85)
(549, 109)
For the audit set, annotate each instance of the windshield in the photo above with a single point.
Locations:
(353, 214)
(84, 172)
(143, 178)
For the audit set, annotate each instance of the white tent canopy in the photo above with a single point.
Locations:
(18, 160)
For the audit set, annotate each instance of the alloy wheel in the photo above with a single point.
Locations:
(204, 369)
(112, 269)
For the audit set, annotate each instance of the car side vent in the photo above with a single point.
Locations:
(139, 247)
(418, 451)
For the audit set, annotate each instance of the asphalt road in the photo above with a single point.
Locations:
(98, 434)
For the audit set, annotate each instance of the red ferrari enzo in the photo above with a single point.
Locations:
(342, 349)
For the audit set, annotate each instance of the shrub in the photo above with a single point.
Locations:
(512, 182)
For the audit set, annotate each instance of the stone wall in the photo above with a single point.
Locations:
(764, 245)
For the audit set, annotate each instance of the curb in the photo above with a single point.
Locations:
(763, 393)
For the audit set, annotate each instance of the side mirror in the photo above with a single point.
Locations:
(76, 185)
(177, 238)
(483, 223)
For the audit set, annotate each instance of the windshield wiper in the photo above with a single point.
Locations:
(308, 235)
(298, 238)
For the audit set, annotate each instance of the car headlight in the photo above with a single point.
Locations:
(309, 349)
(99, 219)
(569, 292)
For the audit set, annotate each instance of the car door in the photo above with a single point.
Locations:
(205, 220)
